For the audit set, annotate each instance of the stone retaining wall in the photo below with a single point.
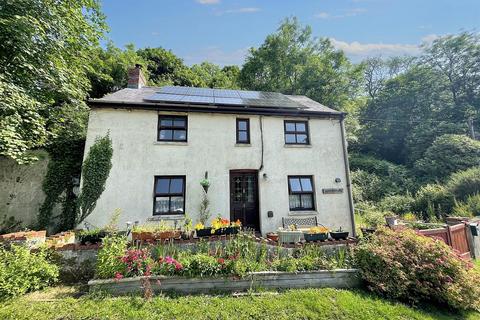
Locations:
(340, 278)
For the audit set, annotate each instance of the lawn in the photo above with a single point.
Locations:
(64, 303)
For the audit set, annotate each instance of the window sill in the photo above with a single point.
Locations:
(303, 213)
(167, 217)
(243, 145)
(297, 145)
(171, 143)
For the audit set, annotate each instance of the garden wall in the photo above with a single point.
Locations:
(340, 278)
(21, 193)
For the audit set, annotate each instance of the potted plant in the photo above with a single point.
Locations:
(289, 235)
(234, 227)
(339, 234)
(319, 233)
(220, 225)
(187, 232)
(272, 236)
(202, 231)
(205, 184)
(92, 236)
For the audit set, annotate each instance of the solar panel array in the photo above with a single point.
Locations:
(189, 95)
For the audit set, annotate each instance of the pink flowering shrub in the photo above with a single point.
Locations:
(411, 267)
(136, 263)
(167, 266)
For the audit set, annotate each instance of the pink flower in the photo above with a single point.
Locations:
(118, 275)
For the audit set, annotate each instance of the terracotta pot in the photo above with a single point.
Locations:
(272, 236)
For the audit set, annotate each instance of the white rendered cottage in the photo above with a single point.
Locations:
(267, 156)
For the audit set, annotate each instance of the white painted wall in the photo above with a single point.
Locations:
(138, 157)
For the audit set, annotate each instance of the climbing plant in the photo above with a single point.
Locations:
(95, 171)
(63, 170)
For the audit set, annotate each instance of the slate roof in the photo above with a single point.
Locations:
(134, 98)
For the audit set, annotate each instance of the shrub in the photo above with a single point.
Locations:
(22, 271)
(464, 183)
(371, 216)
(433, 201)
(398, 204)
(407, 266)
(201, 265)
(469, 208)
(449, 153)
(108, 260)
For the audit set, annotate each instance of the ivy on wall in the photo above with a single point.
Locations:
(63, 169)
(95, 171)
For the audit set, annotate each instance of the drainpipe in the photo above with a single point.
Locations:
(261, 142)
(347, 173)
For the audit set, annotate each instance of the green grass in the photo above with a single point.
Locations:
(64, 303)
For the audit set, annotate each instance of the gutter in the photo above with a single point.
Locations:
(212, 109)
(347, 174)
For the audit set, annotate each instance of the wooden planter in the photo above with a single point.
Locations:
(339, 278)
(290, 236)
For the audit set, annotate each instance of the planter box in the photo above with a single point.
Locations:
(340, 278)
(290, 236)
(315, 236)
(207, 232)
(339, 235)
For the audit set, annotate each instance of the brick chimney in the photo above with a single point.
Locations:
(136, 80)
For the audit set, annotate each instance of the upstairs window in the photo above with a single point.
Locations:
(301, 194)
(169, 195)
(296, 132)
(243, 131)
(172, 128)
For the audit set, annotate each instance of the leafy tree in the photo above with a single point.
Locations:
(213, 76)
(164, 67)
(110, 71)
(464, 183)
(45, 50)
(433, 201)
(291, 61)
(457, 59)
(448, 154)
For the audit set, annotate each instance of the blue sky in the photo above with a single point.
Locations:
(221, 31)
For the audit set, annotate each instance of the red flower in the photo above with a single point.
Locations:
(221, 260)
(118, 275)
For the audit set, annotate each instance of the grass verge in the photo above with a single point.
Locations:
(65, 303)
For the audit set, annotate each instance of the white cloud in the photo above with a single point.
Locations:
(239, 10)
(218, 56)
(358, 51)
(322, 15)
(348, 13)
(208, 1)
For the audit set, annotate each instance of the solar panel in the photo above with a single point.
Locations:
(189, 95)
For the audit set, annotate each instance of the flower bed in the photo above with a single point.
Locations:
(239, 257)
(340, 278)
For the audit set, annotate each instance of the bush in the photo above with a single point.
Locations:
(370, 215)
(108, 260)
(393, 178)
(449, 153)
(433, 201)
(464, 183)
(410, 267)
(398, 204)
(469, 208)
(22, 271)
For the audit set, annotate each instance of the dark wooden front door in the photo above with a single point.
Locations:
(244, 198)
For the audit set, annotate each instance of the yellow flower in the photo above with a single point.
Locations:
(199, 226)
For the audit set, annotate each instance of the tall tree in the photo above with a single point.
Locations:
(45, 50)
(292, 61)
